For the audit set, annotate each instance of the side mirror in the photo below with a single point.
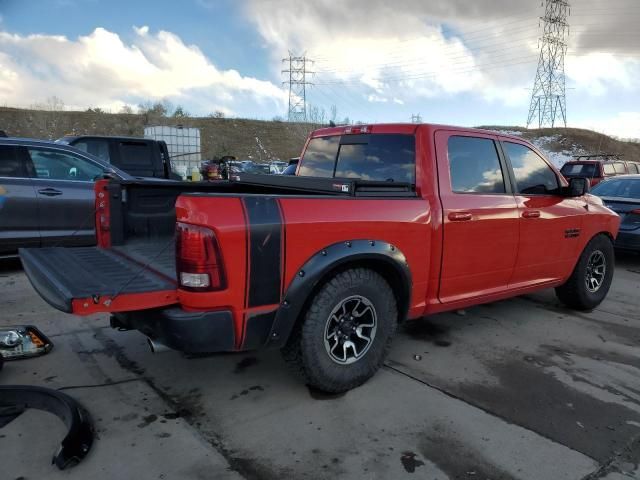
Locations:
(578, 186)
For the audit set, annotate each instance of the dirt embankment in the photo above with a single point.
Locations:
(259, 140)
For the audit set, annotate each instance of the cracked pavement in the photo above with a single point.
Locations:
(518, 389)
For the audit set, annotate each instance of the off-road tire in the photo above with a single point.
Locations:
(574, 293)
(305, 350)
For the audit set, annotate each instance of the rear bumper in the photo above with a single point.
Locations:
(189, 332)
(628, 240)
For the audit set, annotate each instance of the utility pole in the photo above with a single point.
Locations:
(548, 99)
(297, 82)
(417, 118)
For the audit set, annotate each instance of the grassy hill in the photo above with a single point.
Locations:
(263, 140)
(259, 140)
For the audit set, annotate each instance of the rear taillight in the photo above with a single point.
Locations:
(635, 212)
(102, 214)
(198, 260)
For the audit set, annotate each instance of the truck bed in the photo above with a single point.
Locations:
(158, 253)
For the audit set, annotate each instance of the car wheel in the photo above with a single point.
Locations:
(591, 279)
(346, 331)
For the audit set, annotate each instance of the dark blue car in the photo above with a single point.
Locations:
(622, 195)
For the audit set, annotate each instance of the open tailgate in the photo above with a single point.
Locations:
(86, 280)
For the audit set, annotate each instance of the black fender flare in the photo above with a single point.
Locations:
(327, 260)
(14, 399)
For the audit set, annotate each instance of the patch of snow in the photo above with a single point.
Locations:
(557, 158)
(514, 133)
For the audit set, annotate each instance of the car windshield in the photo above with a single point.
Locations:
(579, 169)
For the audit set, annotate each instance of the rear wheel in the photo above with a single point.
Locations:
(346, 331)
(591, 279)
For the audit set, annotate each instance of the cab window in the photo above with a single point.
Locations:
(474, 166)
(532, 174)
(96, 147)
(380, 157)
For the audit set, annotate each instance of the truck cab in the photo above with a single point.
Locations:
(139, 157)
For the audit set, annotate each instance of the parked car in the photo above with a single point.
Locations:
(139, 157)
(277, 167)
(230, 167)
(622, 195)
(290, 170)
(292, 167)
(210, 170)
(46, 194)
(382, 224)
(260, 168)
(598, 170)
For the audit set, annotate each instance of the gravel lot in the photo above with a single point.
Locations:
(522, 388)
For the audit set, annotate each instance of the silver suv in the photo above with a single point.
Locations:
(46, 194)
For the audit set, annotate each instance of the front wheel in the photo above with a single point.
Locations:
(346, 331)
(591, 279)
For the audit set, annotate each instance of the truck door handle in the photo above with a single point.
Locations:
(460, 216)
(49, 192)
(531, 214)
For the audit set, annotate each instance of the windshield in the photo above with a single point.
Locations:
(620, 187)
(579, 170)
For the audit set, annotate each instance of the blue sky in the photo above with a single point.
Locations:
(448, 60)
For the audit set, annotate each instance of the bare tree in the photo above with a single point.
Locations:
(54, 104)
(334, 113)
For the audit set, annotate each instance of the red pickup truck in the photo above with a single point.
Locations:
(381, 224)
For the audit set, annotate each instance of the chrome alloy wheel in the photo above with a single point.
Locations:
(350, 329)
(596, 271)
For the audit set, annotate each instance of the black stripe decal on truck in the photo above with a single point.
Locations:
(265, 250)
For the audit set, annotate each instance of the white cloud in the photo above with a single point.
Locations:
(624, 125)
(101, 70)
(416, 50)
(376, 99)
(600, 73)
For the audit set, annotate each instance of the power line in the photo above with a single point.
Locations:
(548, 99)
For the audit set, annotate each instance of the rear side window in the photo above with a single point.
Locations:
(136, 154)
(608, 169)
(58, 165)
(96, 147)
(619, 168)
(532, 174)
(382, 157)
(633, 168)
(12, 162)
(579, 169)
(474, 165)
